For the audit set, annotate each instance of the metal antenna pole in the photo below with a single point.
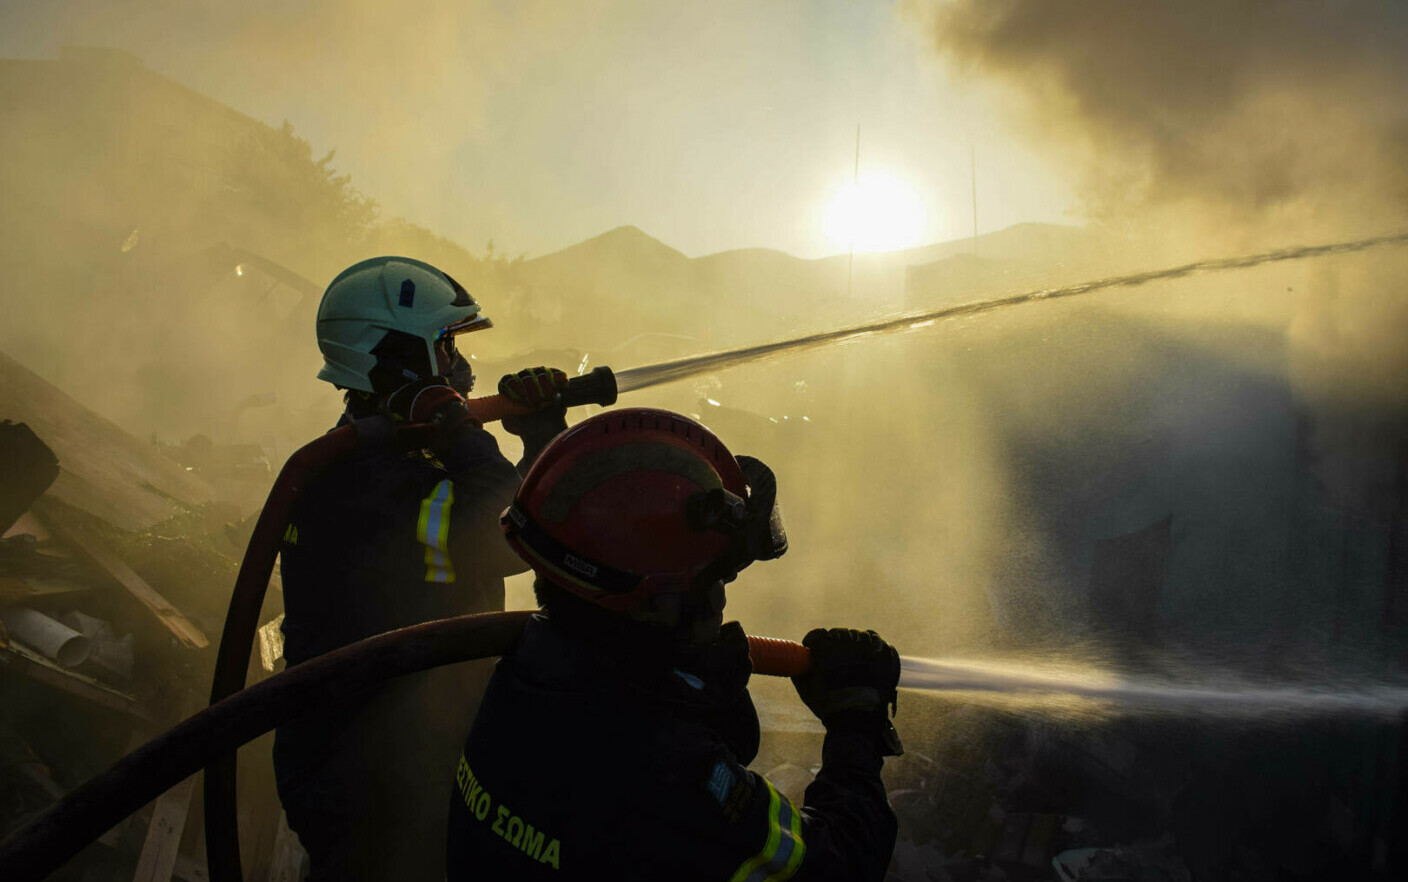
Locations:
(973, 179)
(855, 205)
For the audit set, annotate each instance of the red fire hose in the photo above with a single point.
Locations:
(237, 639)
(42, 846)
(238, 715)
(775, 657)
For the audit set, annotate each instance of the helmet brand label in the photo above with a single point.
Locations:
(573, 562)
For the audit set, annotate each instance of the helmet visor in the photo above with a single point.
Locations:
(476, 322)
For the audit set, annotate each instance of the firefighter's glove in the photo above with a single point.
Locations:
(540, 389)
(852, 683)
(723, 665)
(428, 401)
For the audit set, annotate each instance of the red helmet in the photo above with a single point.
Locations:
(636, 502)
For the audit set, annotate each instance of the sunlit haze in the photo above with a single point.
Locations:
(1073, 334)
(876, 213)
(708, 125)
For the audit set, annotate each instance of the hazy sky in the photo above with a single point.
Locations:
(711, 125)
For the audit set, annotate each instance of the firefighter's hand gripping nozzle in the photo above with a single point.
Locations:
(596, 387)
(852, 683)
(539, 392)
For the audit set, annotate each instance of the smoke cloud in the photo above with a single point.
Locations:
(1216, 127)
(1272, 114)
(1209, 128)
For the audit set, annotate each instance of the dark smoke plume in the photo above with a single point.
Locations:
(1228, 125)
(1243, 105)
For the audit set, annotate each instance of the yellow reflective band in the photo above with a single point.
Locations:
(799, 848)
(783, 850)
(433, 531)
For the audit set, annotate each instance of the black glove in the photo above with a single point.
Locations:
(723, 665)
(540, 388)
(852, 683)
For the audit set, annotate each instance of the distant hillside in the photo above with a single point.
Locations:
(1020, 258)
(625, 283)
(167, 253)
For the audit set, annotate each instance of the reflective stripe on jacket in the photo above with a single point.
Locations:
(572, 772)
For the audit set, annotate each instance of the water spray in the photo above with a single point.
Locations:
(679, 369)
(1006, 682)
(601, 386)
(237, 714)
(43, 844)
(1027, 685)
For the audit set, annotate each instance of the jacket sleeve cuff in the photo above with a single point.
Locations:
(871, 728)
(852, 748)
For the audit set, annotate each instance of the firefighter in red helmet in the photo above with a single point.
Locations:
(612, 743)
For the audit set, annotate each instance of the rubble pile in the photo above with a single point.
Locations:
(115, 570)
(985, 794)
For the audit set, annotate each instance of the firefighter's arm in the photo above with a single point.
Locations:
(846, 811)
(711, 818)
(462, 520)
(483, 483)
(851, 688)
(722, 821)
(458, 518)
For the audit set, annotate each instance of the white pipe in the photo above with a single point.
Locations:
(53, 639)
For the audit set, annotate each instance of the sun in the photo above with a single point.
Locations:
(877, 213)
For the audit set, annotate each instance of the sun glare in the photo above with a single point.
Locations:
(879, 213)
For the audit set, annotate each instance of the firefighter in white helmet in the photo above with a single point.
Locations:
(392, 538)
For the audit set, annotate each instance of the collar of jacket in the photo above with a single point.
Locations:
(551, 656)
(548, 657)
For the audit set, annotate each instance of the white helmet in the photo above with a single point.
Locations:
(380, 319)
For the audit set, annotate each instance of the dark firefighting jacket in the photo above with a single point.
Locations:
(379, 541)
(579, 769)
(387, 539)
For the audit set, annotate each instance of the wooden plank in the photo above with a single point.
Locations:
(13, 590)
(286, 859)
(158, 857)
(174, 620)
(18, 590)
(271, 643)
(103, 470)
(118, 835)
(28, 523)
(188, 869)
(35, 666)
